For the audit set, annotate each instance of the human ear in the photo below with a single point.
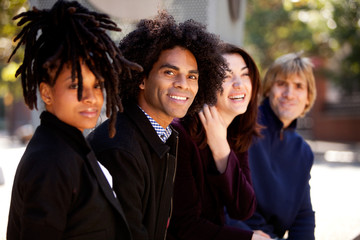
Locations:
(142, 84)
(267, 94)
(45, 93)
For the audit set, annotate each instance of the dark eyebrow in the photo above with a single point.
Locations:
(244, 67)
(194, 72)
(166, 65)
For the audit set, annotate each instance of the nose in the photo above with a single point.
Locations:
(288, 91)
(237, 82)
(181, 82)
(88, 95)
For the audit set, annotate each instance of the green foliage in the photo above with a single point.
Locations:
(8, 29)
(324, 29)
(346, 15)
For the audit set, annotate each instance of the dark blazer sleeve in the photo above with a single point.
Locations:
(129, 183)
(187, 221)
(45, 187)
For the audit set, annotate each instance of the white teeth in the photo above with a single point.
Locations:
(238, 97)
(178, 98)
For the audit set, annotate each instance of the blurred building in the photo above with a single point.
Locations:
(224, 18)
(334, 117)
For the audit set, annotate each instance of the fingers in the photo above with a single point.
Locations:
(205, 114)
(209, 113)
(206, 111)
(202, 117)
(214, 112)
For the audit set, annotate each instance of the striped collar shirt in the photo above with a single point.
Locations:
(163, 133)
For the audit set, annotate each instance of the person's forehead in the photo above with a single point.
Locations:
(177, 55)
(292, 77)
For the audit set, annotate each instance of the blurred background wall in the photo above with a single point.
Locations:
(328, 31)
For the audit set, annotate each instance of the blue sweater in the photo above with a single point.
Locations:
(280, 165)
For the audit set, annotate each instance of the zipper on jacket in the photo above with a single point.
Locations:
(165, 181)
(281, 134)
(176, 155)
(169, 219)
(175, 168)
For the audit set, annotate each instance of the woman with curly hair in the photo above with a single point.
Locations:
(59, 190)
(183, 69)
(213, 168)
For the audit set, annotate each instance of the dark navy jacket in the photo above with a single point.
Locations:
(280, 165)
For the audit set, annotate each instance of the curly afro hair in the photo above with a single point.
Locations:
(152, 36)
(67, 34)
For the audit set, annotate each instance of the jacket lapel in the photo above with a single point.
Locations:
(104, 185)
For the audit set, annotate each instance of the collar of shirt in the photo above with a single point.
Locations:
(163, 133)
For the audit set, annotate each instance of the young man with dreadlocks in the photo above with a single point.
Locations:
(60, 191)
(182, 70)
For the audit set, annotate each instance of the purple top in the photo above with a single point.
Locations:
(201, 193)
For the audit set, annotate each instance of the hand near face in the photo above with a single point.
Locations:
(216, 133)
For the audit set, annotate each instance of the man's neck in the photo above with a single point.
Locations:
(164, 121)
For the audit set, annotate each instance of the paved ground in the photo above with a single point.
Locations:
(334, 188)
(9, 158)
(336, 201)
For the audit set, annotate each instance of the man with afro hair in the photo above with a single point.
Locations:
(182, 70)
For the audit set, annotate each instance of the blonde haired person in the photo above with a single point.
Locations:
(280, 161)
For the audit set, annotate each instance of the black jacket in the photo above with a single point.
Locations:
(60, 192)
(143, 170)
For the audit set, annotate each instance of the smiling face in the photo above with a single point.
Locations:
(237, 89)
(171, 86)
(61, 99)
(288, 98)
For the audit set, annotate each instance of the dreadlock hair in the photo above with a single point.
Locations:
(67, 34)
(244, 126)
(152, 36)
